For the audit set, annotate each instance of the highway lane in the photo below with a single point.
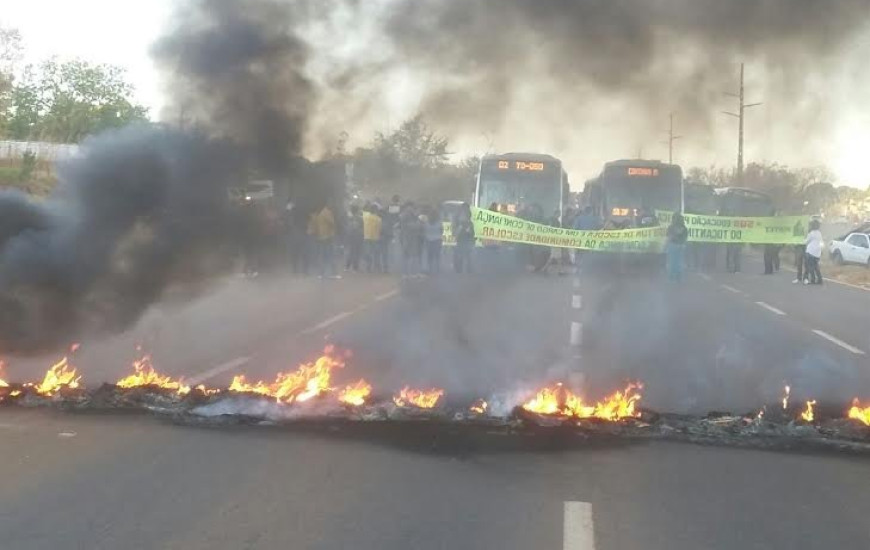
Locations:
(717, 341)
(98, 482)
(228, 323)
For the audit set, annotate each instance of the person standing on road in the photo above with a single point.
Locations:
(372, 239)
(814, 245)
(355, 238)
(800, 262)
(434, 239)
(732, 257)
(463, 231)
(411, 235)
(324, 233)
(677, 234)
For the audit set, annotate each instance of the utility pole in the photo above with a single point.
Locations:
(740, 115)
(671, 139)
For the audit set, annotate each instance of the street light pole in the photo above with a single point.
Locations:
(671, 139)
(741, 97)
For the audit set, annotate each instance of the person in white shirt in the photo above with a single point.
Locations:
(814, 244)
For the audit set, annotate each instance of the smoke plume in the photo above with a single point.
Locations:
(144, 209)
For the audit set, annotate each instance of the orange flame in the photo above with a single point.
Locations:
(306, 382)
(60, 375)
(478, 407)
(860, 413)
(145, 375)
(422, 399)
(355, 394)
(241, 385)
(808, 414)
(559, 401)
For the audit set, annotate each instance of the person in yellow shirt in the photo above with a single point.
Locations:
(372, 225)
(323, 225)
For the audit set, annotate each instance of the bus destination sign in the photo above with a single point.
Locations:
(643, 172)
(521, 166)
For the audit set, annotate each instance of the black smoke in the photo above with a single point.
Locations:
(145, 209)
(142, 209)
(481, 57)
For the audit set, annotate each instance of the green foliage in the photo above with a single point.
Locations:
(806, 190)
(67, 101)
(413, 162)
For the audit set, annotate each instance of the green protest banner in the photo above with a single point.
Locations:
(737, 229)
(495, 226)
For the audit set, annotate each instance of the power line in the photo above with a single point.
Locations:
(740, 116)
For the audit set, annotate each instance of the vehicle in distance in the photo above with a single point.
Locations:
(854, 249)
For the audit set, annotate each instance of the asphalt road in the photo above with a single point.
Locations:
(716, 341)
(95, 482)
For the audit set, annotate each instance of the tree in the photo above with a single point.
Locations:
(413, 144)
(10, 54)
(67, 101)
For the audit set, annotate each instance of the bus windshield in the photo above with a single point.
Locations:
(511, 188)
(628, 195)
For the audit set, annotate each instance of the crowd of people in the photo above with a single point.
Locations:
(408, 239)
(371, 237)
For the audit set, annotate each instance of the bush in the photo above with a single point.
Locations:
(9, 175)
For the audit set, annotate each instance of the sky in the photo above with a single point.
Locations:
(95, 30)
(121, 33)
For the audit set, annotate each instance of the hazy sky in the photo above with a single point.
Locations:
(104, 31)
(121, 33)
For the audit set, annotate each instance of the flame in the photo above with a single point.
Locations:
(478, 407)
(355, 394)
(241, 385)
(60, 375)
(785, 397)
(860, 413)
(306, 382)
(15, 393)
(560, 401)
(3, 383)
(808, 414)
(422, 399)
(207, 391)
(145, 375)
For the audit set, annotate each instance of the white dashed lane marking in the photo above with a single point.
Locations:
(223, 367)
(769, 307)
(839, 342)
(576, 301)
(576, 333)
(578, 530)
(730, 288)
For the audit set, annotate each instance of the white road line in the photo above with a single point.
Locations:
(705, 277)
(835, 281)
(576, 283)
(731, 289)
(839, 342)
(579, 532)
(223, 367)
(387, 295)
(331, 321)
(769, 307)
(576, 301)
(576, 333)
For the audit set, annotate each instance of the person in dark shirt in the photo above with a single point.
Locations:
(677, 235)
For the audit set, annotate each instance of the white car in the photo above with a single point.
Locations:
(854, 249)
